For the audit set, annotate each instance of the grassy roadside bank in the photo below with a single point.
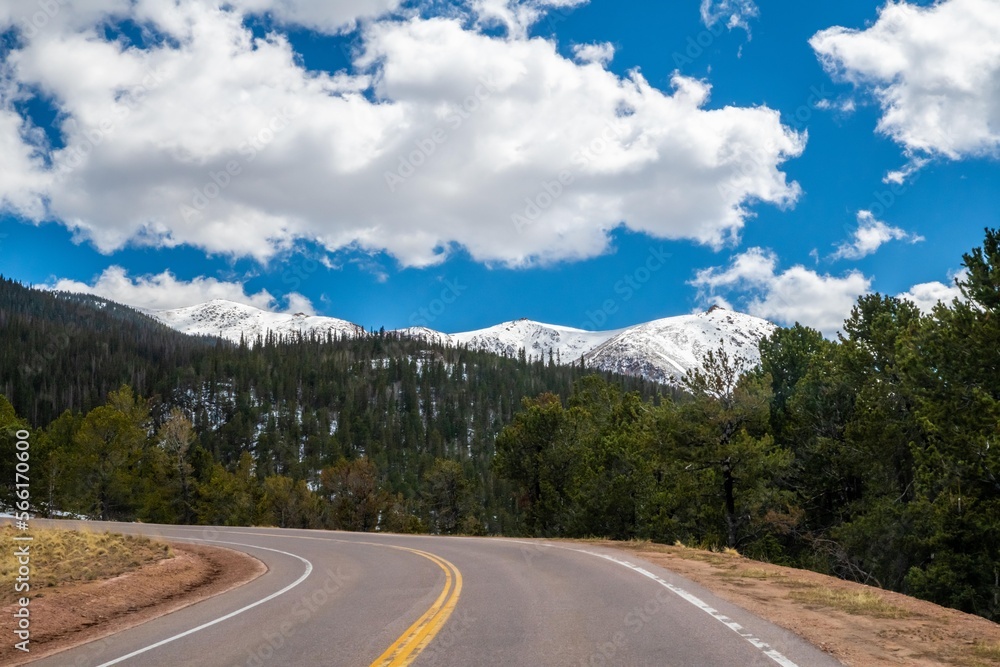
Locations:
(88, 585)
(67, 556)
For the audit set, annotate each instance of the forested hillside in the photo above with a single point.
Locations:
(139, 421)
(66, 352)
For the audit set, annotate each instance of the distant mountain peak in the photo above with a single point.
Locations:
(237, 321)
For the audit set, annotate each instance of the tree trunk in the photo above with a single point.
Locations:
(727, 476)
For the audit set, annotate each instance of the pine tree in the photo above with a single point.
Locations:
(724, 428)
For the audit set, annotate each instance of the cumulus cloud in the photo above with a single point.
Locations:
(164, 291)
(602, 53)
(871, 235)
(24, 181)
(798, 294)
(934, 70)
(734, 13)
(928, 295)
(440, 135)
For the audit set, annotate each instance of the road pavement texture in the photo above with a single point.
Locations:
(357, 599)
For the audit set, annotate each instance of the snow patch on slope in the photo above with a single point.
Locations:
(535, 338)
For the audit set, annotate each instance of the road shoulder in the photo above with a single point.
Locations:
(857, 624)
(77, 613)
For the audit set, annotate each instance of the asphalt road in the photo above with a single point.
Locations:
(332, 598)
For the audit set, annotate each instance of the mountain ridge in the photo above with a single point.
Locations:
(662, 350)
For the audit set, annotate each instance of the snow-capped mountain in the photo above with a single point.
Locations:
(536, 339)
(425, 334)
(662, 350)
(231, 321)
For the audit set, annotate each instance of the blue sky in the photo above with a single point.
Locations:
(779, 158)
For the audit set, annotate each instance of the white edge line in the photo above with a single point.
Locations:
(758, 643)
(309, 569)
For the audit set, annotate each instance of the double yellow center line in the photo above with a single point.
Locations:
(416, 637)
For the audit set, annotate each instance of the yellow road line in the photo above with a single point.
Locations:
(415, 639)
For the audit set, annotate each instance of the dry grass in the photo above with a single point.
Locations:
(859, 603)
(64, 556)
(987, 651)
(758, 574)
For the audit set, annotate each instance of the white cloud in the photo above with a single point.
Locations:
(734, 13)
(871, 235)
(756, 266)
(517, 15)
(24, 179)
(320, 15)
(845, 106)
(902, 175)
(271, 153)
(934, 70)
(165, 291)
(820, 301)
(32, 17)
(602, 53)
(928, 295)
(297, 303)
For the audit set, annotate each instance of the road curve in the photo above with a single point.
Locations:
(358, 599)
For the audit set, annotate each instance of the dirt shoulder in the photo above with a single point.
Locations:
(76, 613)
(857, 624)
